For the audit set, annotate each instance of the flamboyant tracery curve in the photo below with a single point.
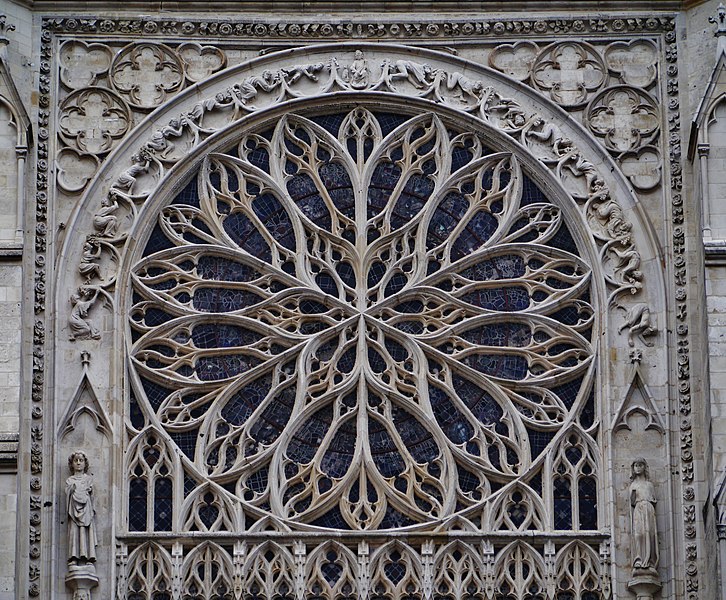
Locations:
(364, 320)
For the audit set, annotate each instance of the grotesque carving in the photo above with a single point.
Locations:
(638, 322)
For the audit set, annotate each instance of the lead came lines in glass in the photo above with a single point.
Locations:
(378, 323)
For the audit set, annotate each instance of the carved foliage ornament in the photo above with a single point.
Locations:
(365, 321)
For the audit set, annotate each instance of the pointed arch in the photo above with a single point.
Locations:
(395, 572)
(269, 572)
(151, 465)
(331, 572)
(518, 509)
(520, 572)
(459, 573)
(149, 573)
(207, 573)
(578, 571)
(208, 508)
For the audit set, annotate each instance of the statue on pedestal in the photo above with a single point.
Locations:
(81, 521)
(81, 577)
(644, 532)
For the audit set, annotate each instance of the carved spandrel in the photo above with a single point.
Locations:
(146, 74)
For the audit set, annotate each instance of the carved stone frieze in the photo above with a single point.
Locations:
(366, 29)
(146, 73)
(93, 120)
(569, 72)
(626, 117)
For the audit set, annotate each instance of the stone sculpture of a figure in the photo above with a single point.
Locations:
(82, 301)
(644, 538)
(81, 514)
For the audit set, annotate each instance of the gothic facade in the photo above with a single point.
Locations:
(306, 303)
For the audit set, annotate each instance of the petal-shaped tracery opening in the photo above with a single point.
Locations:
(363, 320)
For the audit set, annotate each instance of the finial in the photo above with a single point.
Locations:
(85, 358)
(719, 19)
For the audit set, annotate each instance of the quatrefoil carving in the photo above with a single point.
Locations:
(569, 72)
(627, 118)
(146, 74)
(93, 120)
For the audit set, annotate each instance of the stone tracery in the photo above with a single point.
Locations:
(221, 503)
(364, 321)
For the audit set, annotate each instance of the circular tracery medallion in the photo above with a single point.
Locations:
(362, 321)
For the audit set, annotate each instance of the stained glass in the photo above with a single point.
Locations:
(363, 320)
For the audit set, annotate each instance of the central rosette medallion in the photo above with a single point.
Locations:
(361, 321)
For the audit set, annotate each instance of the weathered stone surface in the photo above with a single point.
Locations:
(363, 290)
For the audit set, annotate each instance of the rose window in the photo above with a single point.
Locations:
(363, 321)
